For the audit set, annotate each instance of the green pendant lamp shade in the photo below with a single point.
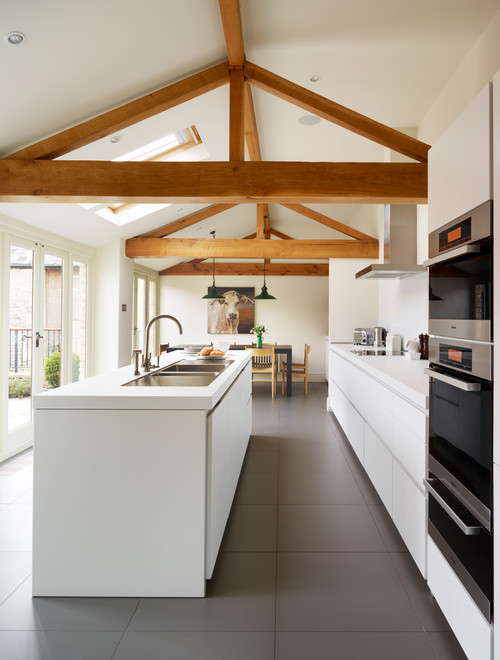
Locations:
(264, 294)
(212, 290)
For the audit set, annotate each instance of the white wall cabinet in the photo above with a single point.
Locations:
(460, 163)
(389, 436)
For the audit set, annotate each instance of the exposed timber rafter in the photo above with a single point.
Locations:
(249, 269)
(244, 249)
(338, 114)
(325, 220)
(212, 182)
(127, 115)
(189, 220)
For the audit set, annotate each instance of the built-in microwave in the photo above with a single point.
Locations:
(460, 277)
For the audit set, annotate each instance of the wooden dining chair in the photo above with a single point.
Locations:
(298, 369)
(264, 362)
(163, 347)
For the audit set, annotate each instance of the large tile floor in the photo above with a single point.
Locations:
(311, 567)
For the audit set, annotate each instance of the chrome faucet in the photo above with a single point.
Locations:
(146, 358)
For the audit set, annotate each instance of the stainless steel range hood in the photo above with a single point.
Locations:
(400, 246)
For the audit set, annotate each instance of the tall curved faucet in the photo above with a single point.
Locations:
(146, 361)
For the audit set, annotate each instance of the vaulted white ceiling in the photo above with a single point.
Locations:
(387, 59)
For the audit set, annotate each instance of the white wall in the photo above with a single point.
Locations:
(113, 287)
(298, 316)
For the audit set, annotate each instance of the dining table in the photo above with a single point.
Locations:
(280, 349)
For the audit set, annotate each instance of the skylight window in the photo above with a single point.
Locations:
(170, 147)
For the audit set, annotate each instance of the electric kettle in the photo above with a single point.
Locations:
(379, 335)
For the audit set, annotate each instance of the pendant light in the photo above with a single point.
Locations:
(212, 290)
(264, 295)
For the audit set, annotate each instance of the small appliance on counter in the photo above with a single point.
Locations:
(393, 343)
(363, 336)
(379, 335)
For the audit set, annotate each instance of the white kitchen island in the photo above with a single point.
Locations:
(133, 485)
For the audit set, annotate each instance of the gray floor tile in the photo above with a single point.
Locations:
(22, 612)
(327, 528)
(261, 462)
(299, 488)
(251, 528)
(366, 487)
(342, 592)
(313, 461)
(446, 646)
(15, 567)
(196, 646)
(38, 645)
(428, 611)
(16, 528)
(386, 527)
(240, 596)
(257, 489)
(263, 442)
(353, 646)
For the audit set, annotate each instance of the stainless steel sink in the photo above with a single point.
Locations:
(185, 373)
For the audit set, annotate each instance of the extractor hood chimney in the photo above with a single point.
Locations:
(400, 245)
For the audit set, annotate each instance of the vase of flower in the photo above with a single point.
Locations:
(259, 331)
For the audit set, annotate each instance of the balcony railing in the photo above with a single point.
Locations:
(20, 342)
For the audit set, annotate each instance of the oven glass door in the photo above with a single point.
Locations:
(461, 439)
(460, 296)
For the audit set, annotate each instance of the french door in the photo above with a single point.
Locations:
(47, 329)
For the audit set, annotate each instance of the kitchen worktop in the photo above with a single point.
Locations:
(106, 391)
(405, 377)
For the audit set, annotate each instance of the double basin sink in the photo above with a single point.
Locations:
(186, 373)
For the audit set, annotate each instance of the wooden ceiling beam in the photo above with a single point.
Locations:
(243, 249)
(236, 115)
(233, 33)
(249, 269)
(107, 182)
(189, 220)
(279, 234)
(127, 115)
(325, 220)
(338, 114)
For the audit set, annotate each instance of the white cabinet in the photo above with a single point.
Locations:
(378, 466)
(389, 436)
(229, 427)
(460, 163)
(470, 627)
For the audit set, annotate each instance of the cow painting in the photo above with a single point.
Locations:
(232, 315)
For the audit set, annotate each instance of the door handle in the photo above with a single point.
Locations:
(452, 254)
(464, 385)
(469, 530)
(37, 340)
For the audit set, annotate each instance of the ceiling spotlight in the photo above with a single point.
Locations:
(115, 139)
(15, 38)
(309, 120)
(314, 78)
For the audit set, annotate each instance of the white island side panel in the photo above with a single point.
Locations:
(119, 503)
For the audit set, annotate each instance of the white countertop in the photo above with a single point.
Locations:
(405, 377)
(105, 392)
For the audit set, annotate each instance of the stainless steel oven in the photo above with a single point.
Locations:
(460, 277)
(460, 464)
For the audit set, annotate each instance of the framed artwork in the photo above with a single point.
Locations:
(235, 314)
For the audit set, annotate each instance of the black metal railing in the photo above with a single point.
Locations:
(20, 342)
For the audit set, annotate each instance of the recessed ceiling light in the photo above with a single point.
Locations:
(15, 38)
(309, 120)
(314, 78)
(115, 139)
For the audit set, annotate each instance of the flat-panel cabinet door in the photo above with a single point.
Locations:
(378, 466)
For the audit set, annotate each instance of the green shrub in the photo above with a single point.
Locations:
(52, 369)
(19, 386)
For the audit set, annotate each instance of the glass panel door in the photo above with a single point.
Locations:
(79, 322)
(20, 335)
(51, 335)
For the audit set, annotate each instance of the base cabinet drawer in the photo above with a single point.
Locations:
(378, 466)
(349, 419)
(471, 629)
(409, 513)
